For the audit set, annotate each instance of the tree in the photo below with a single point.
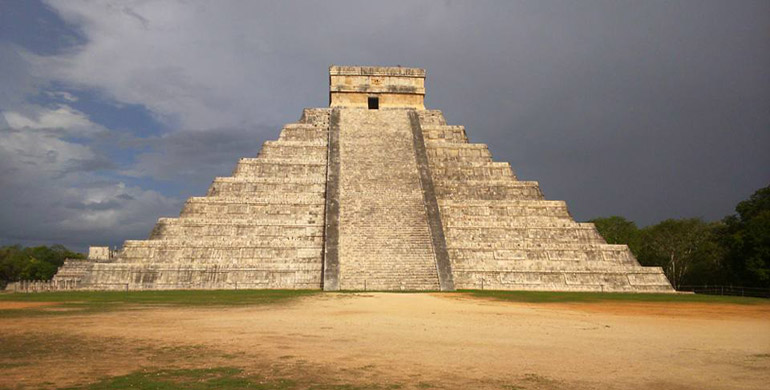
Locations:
(36, 263)
(747, 240)
(618, 230)
(678, 245)
(11, 263)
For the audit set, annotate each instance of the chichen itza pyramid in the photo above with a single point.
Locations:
(374, 192)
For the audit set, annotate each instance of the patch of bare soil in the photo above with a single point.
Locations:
(416, 340)
(673, 309)
(5, 305)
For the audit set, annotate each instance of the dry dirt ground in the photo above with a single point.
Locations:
(408, 340)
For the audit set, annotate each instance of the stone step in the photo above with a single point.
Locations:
(292, 149)
(578, 266)
(396, 271)
(556, 264)
(316, 116)
(141, 275)
(504, 234)
(277, 225)
(573, 251)
(319, 142)
(254, 229)
(445, 147)
(277, 220)
(246, 185)
(469, 170)
(73, 270)
(388, 274)
(405, 251)
(469, 164)
(485, 182)
(269, 190)
(302, 268)
(449, 134)
(222, 252)
(265, 198)
(297, 160)
(168, 253)
(388, 285)
(431, 118)
(383, 276)
(462, 152)
(487, 242)
(230, 242)
(249, 211)
(535, 244)
(467, 243)
(305, 133)
(650, 279)
(530, 191)
(272, 180)
(506, 221)
(484, 207)
(260, 198)
(274, 167)
(379, 237)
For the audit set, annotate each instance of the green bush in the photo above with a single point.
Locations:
(32, 263)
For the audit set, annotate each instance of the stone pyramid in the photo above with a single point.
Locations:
(372, 193)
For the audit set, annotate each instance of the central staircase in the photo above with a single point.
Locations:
(384, 238)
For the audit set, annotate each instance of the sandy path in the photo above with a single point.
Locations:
(456, 342)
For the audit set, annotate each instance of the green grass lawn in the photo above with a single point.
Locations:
(168, 297)
(221, 378)
(565, 297)
(210, 378)
(84, 302)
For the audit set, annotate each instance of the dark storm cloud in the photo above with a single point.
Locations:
(190, 160)
(649, 109)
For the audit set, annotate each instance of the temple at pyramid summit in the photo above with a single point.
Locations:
(374, 192)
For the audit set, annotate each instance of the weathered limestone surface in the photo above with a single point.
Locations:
(354, 198)
(263, 227)
(384, 241)
(502, 234)
(395, 87)
(100, 253)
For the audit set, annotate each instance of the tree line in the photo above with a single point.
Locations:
(32, 263)
(732, 251)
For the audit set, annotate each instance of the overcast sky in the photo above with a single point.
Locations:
(112, 113)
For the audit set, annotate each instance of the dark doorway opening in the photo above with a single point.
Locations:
(374, 103)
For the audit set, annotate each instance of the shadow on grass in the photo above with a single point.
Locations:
(565, 297)
(214, 378)
(87, 302)
(208, 378)
(22, 355)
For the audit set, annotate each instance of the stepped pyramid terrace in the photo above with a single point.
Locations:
(374, 192)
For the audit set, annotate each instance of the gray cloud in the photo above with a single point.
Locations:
(51, 191)
(190, 160)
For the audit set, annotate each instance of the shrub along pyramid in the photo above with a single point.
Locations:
(374, 192)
